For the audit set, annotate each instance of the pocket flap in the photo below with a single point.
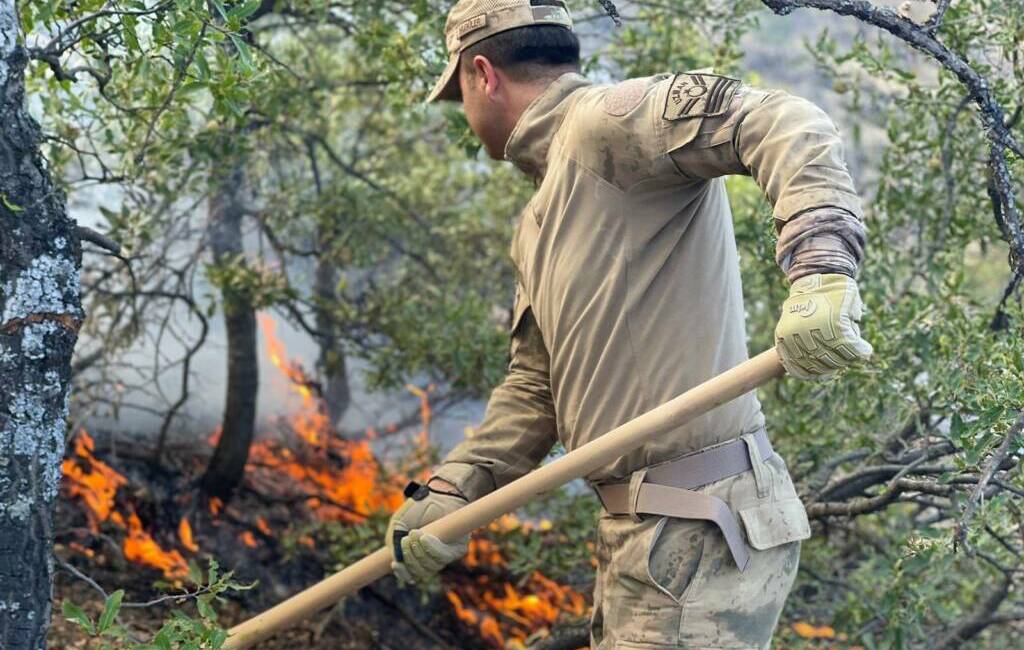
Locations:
(776, 522)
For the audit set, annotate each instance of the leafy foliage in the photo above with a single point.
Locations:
(182, 631)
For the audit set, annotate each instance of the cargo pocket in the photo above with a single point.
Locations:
(775, 522)
(778, 518)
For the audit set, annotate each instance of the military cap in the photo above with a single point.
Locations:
(471, 21)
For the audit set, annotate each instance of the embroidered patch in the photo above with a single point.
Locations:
(624, 97)
(472, 24)
(698, 95)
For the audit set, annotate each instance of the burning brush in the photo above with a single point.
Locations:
(336, 480)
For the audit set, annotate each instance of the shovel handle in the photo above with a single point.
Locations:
(579, 462)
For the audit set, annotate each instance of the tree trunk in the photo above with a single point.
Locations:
(332, 362)
(40, 261)
(228, 463)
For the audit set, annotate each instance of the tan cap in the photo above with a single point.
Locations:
(471, 21)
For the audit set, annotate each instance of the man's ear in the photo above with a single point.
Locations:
(486, 72)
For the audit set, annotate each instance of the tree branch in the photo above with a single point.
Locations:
(923, 39)
(993, 464)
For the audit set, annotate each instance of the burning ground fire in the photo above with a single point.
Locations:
(504, 614)
(338, 480)
(96, 484)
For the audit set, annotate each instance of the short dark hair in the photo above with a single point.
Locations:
(525, 52)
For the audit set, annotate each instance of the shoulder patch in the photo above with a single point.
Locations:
(624, 97)
(694, 94)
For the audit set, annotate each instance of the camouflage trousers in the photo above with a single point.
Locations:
(664, 582)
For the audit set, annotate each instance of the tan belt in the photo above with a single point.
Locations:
(667, 489)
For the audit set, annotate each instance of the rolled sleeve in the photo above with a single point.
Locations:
(789, 146)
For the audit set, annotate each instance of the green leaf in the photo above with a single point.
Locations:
(162, 640)
(244, 10)
(110, 609)
(203, 65)
(203, 606)
(195, 574)
(191, 87)
(243, 52)
(220, 8)
(74, 613)
(218, 637)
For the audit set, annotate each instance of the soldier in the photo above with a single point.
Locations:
(628, 294)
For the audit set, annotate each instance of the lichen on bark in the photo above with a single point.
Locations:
(40, 309)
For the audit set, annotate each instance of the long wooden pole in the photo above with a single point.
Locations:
(579, 462)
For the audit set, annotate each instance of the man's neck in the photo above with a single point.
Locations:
(528, 143)
(525, 93)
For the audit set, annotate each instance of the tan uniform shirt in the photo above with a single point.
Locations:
(628, 277)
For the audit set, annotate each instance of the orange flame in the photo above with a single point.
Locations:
(92, 480)
(263, 526)
(96, 484)
(498, 610)
(810, 631)
(501, 612)
(342, 477)
(340, 480)
(140, 547)
(185, 535)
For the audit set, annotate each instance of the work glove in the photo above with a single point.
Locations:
(416, 556)
(818, 332)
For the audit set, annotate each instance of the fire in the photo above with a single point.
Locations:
(92, 480)
(339, 480)
(263, 526)
(348, 490)
(97, 484)
(185, 535)
(505, 615)
(140, 547)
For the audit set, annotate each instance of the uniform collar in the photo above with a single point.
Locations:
(527, 146)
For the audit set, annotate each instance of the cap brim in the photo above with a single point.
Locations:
(447, 87)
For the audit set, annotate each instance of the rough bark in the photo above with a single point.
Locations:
(332, 363)
(40, 261)
(227, 466)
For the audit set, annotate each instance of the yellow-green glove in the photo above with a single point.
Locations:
(416, 557)
(818, 332)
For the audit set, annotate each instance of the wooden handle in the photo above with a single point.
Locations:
(579, 462)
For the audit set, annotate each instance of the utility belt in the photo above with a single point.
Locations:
(667, 489)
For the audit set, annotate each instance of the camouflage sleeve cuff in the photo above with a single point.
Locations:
(821, 240)
(473, 481)
(788, 208)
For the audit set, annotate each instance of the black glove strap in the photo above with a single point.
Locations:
(397, 540)
(418, 492)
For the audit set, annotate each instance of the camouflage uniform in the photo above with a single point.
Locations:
(628, 294)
